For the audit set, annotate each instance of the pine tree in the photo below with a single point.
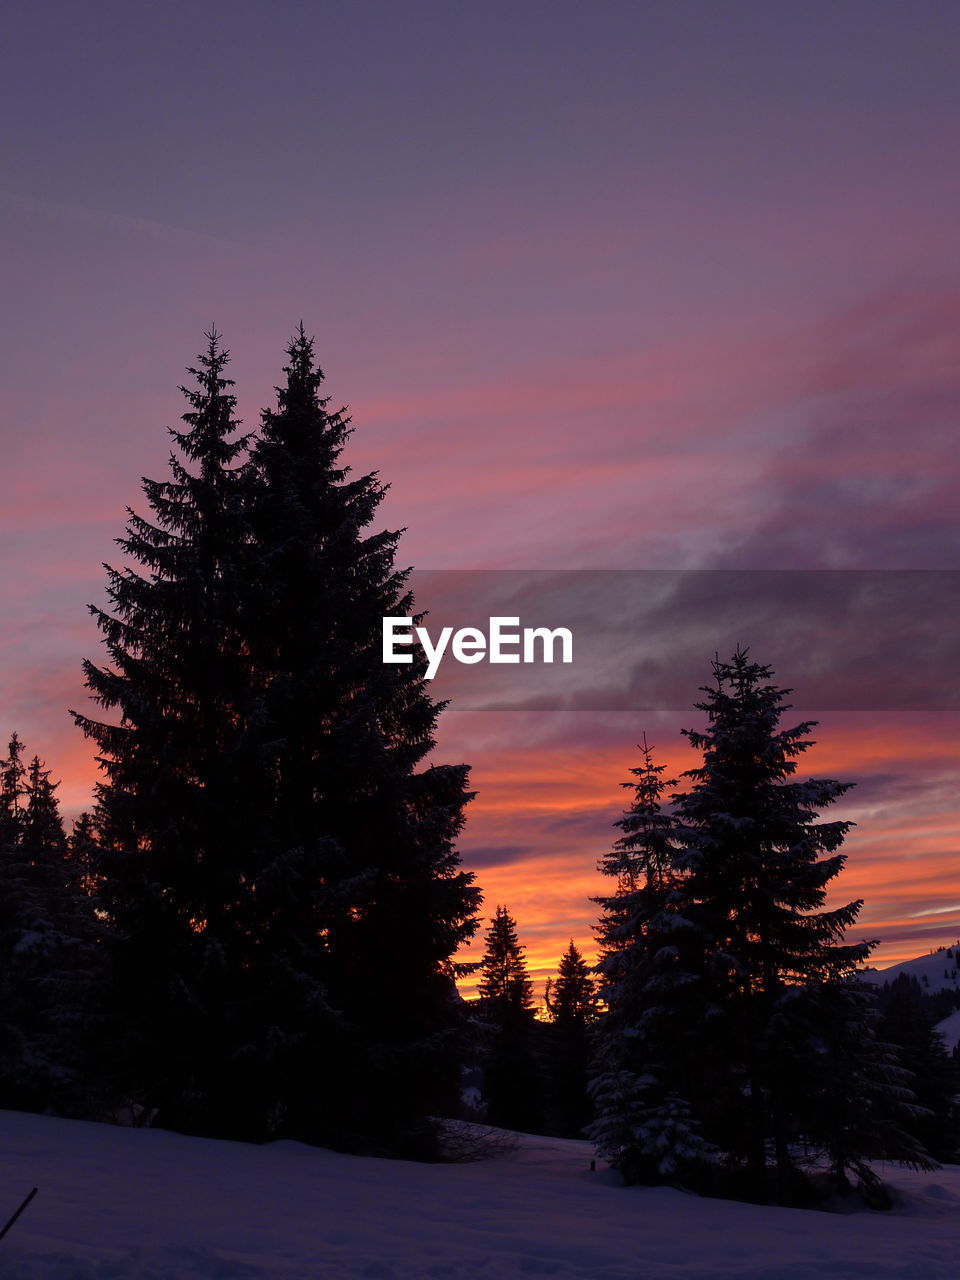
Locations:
(572, 998)
(572, 1008)
(645, 1044)
(511, 1074)
(279, 882)
(359, 900)
(736, 1030)
(12, 793)
(173, 809)
(505, 984)
(84, 846)
(47, 953)
(769, 966)
(853, 1097)
(905, 1022)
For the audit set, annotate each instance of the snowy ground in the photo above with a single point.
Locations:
(116, 1203)
(935, 971)
(949, 1029)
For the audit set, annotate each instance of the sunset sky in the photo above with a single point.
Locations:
(621, 285)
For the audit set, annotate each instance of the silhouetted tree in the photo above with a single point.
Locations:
(905, 1022)
(47, 951)
(735, 1020)
(505, 982)
(572, 1009)
(176, 809)
(84, 846)
(647, 1060)
(279, 879)
(779, 1008)
(358, 899)
(13, 793)
(511, 1073)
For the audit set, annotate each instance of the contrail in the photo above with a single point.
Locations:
(103, 219)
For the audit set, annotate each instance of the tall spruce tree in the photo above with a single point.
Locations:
(173, 865)
(737, 1033)
(777, 973)
(279, 878)
(359, 902)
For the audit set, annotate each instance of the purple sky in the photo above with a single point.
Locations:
(621, 285)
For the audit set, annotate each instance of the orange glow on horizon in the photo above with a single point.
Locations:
(563, 802)
(544, 814)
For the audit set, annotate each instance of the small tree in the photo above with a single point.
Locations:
(84, 847)
(505, 983)
(572, 1009)
(47, 951)
(511, 1075)
(645, 1045)
(13, 793)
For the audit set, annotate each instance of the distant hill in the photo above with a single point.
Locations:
(937, 971)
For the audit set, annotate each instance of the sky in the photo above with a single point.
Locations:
(620, 286)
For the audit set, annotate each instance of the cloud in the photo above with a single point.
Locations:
(644, 640)
(871, 476)
(495, 855)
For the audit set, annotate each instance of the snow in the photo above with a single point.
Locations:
(949, 1029)
(115, 1203)
(935, 972)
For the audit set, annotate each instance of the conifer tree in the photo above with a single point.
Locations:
(172, 808)
(849, 1091)
(908, 1024)
(736, 1032)
(278, 876)
(572, 998)
(756, 863)
(359, 899)
(645, 1047)
(47, 953)
(511, 1074)
(12, 793)
(505, 984)
(84, 846)
(572, 1008)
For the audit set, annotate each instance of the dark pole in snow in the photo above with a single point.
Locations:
(18, 1213)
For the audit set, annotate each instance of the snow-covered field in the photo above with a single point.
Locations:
(139, 1203)
(949, 1029)
(937, 971)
